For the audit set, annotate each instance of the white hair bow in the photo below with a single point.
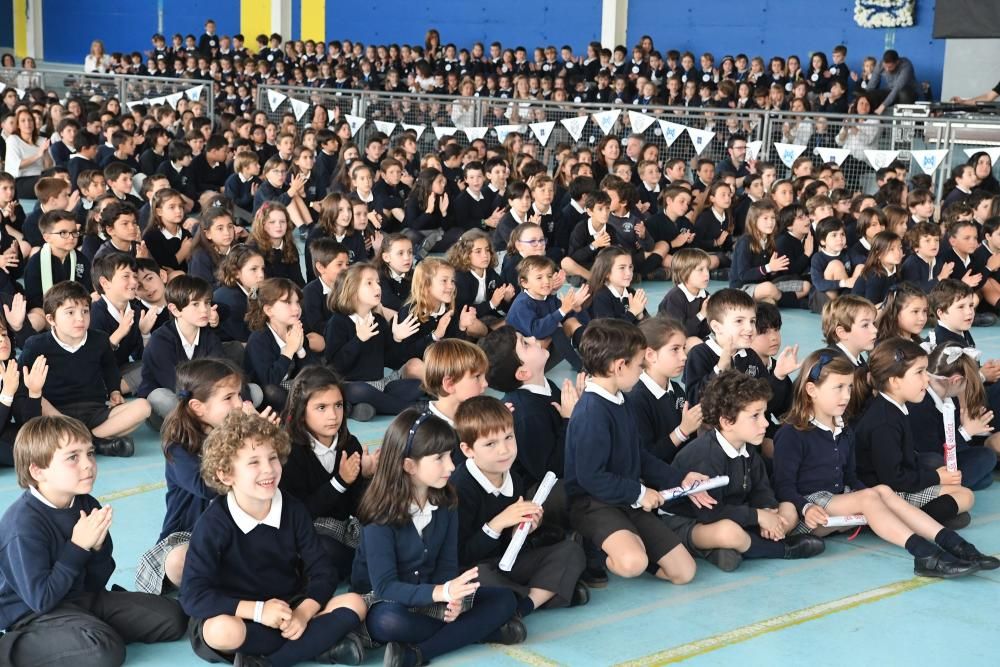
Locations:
(952, 354)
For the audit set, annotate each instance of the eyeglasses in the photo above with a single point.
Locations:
(66, 234)
(534, 243)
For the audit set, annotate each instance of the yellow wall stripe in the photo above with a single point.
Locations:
(21, 28)
(255, 19)
(314, 20)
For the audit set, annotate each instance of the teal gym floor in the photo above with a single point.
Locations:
(859, 602)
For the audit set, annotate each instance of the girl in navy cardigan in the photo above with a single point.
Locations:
(713, 228)
(881, 270)
(361, 343)
(336, 222)
(610, 278)
(477, 283)
(271, 235)
(277, 349)
(394, 262)
(814, 469)
(408, 558)
(207, 390)
(757, 262)
(212, 244)
(257, 583)
(432, 302)
(327, 468)
(166, 239)
(240, 273)
(904, 314)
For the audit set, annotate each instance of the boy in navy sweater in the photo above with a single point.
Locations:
(330, 259)
(257, 582)
(56, 560)
(491, 504)
(732, 316)
(57, 261)
(83, 380)
(607, 470)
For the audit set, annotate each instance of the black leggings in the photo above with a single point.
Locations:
(396, 397)
(393, 622)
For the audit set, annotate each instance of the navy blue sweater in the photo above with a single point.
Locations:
(532, 317)
(960, 270)
(605, 304)
(466, 287)
(540, 431)
(165, 352)
(60, 272)
(415, 346)
(130, 347)
(266, 365)
(707, 230)
(267, 192)
(917, 271)
(476, 508)
(232, 303)
(304, 477)
(187, 494)
(817, 267)
(224, 566)
(394, 292)
(677, 306)
(398, 564)
(88, 375)
(203, 264)
(358, 360)
(809, 461)
(314, 311)
(276, 266)
(795, 251)
(875, 286)
(701, 362)
(748, 266)
(887, 449)
(240, 193)
(39, 566)
(656, 418)
(165, 250)
(603, 457)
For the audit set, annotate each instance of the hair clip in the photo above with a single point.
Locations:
(952, 354)
(898, 356)
(185, 394)
(413, 431)
(817, 368)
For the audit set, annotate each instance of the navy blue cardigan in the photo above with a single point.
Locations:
(264, 363)
(809, 461)
(165, 351)
(187, 494)
(232, 303)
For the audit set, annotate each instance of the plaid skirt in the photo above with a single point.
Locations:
(820, 499)
(346, 532)
(150, 574)
(435, 610)
(790, 285)
(921, 498)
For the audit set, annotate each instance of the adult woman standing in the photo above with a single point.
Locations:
(27, 155)
(97, 60)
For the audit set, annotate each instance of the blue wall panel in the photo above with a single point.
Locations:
(783, 28)
(7, 24)
(513, 22)
(189, 16)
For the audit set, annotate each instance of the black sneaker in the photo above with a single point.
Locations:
(363, 412)
(726, 560)
(348, 651)
(971, 554)
(581, 595)
(943, 566)
(398, 654)
(123, 446)
(595, 577)
(958, 522)
(803, 546)
(511, 632)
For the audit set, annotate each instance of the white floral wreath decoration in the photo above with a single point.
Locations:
(884, 13)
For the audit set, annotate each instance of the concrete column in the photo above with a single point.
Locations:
(614, 21)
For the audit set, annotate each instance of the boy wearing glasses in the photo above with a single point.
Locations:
(58, 260)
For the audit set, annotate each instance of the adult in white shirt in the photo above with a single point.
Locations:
(97, 60)
(27, 155)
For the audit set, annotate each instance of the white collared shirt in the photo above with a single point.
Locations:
(441, 310)
(188, 347)
(717, 215)
(539, 389)
(398, 277)
(514, 215)
(505, 489)
(434, 410)
(902, 408)
(69, 348)
(590, 228)
(691, 297)
(593, 387)
(865, 244)
(731, 451)
(246, 523)
(422, 517)
(476, 196)
(838, 425)
(301, 353)
(45, 501)
(326, 288)
(167, 235)
(369, 199)
(654, 387)
(576, 207)
(113, 311)
(327, 458)
(480, 288)
(616, 294)
(856, 360)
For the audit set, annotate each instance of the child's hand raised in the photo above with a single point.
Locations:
(777, 263)
(91, 528)
(16, 312)
(366, 328)
(441, 330)
(293, 340)
(690, 418)
(602, 240)
(369, 462)
(350, 467)
(972, 279)
(34, 378)
(213, 316)
(11, 378)
(637, 302)
(980, 425)
(403, 330)
(946, 270)
(467, 318)
(267, 413)
(568, 398)
(787, 362)
(558, 280)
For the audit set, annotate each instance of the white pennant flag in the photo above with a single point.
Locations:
(753, 149)
(3, 86)
(929, 160)
(299, 107)
(788, 153)
(543, 131)
(444, 132)
(174, 98)
(354, 122)
(671, 131)
(606, 119)
(385, 127)
(992, 151)
(574, 126)
(503, 130)
(639, 121)
(419, 129)
(274, 98)
(880, 159)
(158, 101)
(700, 138)
(132, 105)
(194, 93)
(835, 155)
(475, 133)
(20, 92)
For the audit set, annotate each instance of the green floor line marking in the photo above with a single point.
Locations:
(524, 655)
(780, 622)
(134, 491)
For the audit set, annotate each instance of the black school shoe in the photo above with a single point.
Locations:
(595, 577)
(958, 522)
(348, 651)
(398, 654)
(122, 446)
(581, 595)
(241, 660)
(943, 566)
(971, 554)
(363, 412)
(803, 546)
(726, 560)
(511, 632)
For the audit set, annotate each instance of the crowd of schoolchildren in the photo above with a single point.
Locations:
(428, 280)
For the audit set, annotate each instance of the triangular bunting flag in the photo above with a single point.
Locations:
(788, 153)
(671, 131)
(3, 86)
(174, 98)
(132, 105)
(880, 159)
(835, 155)
(419, 129)
(444, 132)
(992, 151)
(194, 93)
(700, 138)
(753, 149)
(929, 160)
(299, 107)
(574, 126)
(503, 130)
(475, 133)
(355, 122)
(385, 127)
(158, 101)
(274, 98)
(606, 119)
(543, 131)
(639, 121)
(20, 93)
